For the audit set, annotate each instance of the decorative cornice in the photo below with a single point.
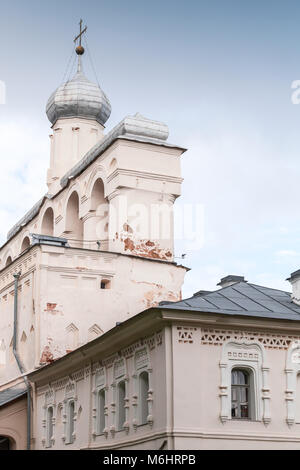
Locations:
(144, 175)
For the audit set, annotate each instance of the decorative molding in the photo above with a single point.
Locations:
(47, 440)
(250, 355)
(292, 370)
(185, 334)
(217, 337)
(78, 375)
(144, 175)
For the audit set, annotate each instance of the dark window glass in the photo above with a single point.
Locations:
(4, 443)
(240, 394)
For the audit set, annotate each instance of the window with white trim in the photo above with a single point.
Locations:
(70, 413)
(241, 394)
(101, 411)
(49, 418)
(121, 415)
(70, 422)
(120, 407)
(143, 389)
(244, 390)
(49, 426)
(292, 392)
(143, 397)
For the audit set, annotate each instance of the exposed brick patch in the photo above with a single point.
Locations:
(47, 356)
(143, 248)
(51, 307)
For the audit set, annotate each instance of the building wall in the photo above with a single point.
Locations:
(148, 354)
(27, 334)
(62, 306)
(61, 303)
(73, 308)
(13, 423)
(198, 389)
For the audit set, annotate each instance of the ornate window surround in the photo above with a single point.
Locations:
(292, 370)
(49, 403)
(119, 375)
(248, 355)
(142, 364)
(70, 396)
(100, 384)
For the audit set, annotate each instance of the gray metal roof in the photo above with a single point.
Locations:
(10, 394)
(243, 299)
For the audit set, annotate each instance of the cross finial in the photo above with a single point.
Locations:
(79, 48)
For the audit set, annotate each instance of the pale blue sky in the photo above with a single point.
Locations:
(218, 72)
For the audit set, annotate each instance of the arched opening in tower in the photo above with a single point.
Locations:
(74, 225)
(25, 244)
(96, 226)
(48, 223)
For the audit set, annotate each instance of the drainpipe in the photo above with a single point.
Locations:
(20, 365)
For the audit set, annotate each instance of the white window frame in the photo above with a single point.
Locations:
(119, 375)
(49, 438)
(49, 403)
(249, 355)
(292, 370)
(70, 396)
(100, 385)
(142, 364)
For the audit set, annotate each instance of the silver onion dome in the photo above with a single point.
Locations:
(79, 98)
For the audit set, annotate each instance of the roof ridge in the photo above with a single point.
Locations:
(271, 288)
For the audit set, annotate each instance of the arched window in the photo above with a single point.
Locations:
(241, 394)
(74, 225)
(70, 421)
(49, 426)
(297, 394)
(101, 411)
(48, 222)
(121, 404)
(143, 398)
(25, 244)
(6, 443)
(8, 261)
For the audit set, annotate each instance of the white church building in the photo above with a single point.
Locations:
(97, 348)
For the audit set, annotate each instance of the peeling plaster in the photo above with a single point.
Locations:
(143, 248)
(51, 308)
(47, 356)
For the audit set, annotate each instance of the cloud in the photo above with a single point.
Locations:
(24, 153)
(287, 253)
(249, 191)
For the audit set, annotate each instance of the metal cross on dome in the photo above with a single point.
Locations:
(80, 49)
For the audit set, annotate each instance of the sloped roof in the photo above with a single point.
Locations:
(244, 299)
(10, 394)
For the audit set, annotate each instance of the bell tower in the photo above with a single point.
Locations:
(77, 110)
